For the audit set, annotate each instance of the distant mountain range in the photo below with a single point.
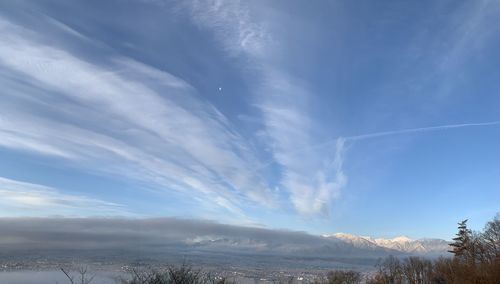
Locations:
(339, 244)
(401, 244)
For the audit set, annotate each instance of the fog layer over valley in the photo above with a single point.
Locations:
(194, 240)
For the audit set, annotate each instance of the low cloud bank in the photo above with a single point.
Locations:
(160, 234)
(122, 233)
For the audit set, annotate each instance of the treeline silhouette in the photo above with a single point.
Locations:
(475, 259)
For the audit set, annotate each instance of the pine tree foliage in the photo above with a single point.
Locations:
(462, 240)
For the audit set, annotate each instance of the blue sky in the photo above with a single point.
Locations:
(368, 117)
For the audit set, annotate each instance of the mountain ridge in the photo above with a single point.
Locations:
(426, 246)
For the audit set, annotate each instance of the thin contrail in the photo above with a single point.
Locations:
(384, 133)
(420, 129)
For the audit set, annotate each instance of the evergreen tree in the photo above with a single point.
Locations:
(462, 240)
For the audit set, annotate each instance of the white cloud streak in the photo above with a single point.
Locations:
(340, 141)
(139, 122)
(420, 129)
(21, 199)
(309, 178)
(232, 24)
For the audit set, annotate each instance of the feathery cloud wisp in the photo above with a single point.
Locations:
(286, 120)
(140, 122)
(21, 199)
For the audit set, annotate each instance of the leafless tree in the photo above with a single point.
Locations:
(80, 278)
(343, 277)
(417, 270)
(491, 240)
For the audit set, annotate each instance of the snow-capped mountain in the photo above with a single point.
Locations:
(339, 244)
(356, 241)
(302, 244)
(400, 244)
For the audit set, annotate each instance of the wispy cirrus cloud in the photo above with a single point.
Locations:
(288, 124)
(442, 55)
(312, 178)
(309, 175)
(124, 118)
(232, 24)
(22, 199)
